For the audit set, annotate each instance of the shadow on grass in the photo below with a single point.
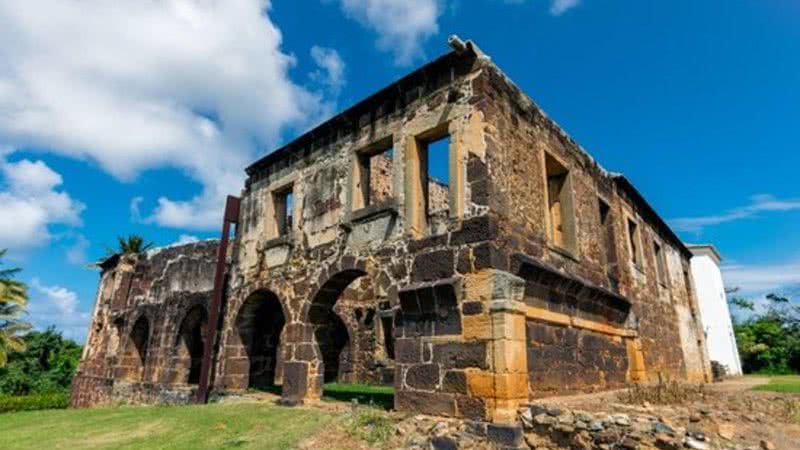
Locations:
(379, 396)
(366, 394)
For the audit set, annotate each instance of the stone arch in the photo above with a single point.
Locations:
(255, 359)
(333, 340)
(133, 360)
(189, 345)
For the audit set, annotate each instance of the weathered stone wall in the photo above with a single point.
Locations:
(455, 294)
(517, 141)
(147, 327)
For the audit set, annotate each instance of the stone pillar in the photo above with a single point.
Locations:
(503, 386)
(636, 368)
(302, 377)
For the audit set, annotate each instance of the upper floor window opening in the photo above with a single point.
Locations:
(373, 175)
(634, 243)
(561, 217)
(661, 263)
(283, 201)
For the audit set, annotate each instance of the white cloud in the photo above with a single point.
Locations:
(186, 239)
(331, 68)
(200, 85)
(56, 305)
(761, 279)
(559, 7)
(401, 25)
(31, 203)
(76, 253)
(758, 204)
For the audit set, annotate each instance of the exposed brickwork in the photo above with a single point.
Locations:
(467, 310)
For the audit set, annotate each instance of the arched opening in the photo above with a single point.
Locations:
(258, 328)
(132, 363)
(191, 341)
(330, 332)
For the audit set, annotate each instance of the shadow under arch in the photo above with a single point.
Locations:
(134, 358)
(331, 335)
(190, 344)
(259, 323)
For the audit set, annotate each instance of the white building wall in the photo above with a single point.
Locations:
(714, 312)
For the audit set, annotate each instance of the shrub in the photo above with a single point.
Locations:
(34, 402)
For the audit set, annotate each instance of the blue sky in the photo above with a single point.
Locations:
(140, 118)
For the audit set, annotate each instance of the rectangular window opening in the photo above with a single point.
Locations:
(661, 263)
(437, 168)
(284, 206)
(374, 179)
(633, 241)
(388, 335)
(607, 235)
(559, 203)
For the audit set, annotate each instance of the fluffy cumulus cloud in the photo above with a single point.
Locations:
(59, 306)
(200, 85)
(762, 203)
(401, 25)
(32, 202)
(331, 68)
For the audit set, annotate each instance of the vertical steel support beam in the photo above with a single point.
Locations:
(231, 216)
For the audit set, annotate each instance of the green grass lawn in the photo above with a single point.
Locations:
(243, 425)
(781, 383)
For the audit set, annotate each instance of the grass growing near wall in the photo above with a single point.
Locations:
(785, 383)
(381, 396)
(33, 402)
(243, 425)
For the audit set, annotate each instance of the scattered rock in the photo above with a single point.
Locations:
(767, 445)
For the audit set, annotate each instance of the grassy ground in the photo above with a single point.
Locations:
(781, 383)
(216, 426)
(381, 396)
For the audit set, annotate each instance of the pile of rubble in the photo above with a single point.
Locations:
(549, 427)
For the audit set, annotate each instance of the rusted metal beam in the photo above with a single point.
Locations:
(231, 217)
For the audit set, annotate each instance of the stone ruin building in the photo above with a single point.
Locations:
(524, 269)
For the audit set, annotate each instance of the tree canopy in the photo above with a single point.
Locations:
(13, 299)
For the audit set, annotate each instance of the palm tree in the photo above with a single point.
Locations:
(13, 298)
(129, 245)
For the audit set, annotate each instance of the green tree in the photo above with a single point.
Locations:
(47, 364)
(13, 299)
(769, 340)
(133, 243)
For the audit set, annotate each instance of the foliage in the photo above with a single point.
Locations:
(35, 402)
(13, 299)
(130, 244)
(47, 365)
(371, 425)
(769, 341)
(241, 425)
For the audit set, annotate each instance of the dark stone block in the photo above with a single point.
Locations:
(461, 355)
(464, 262)
(471, 408)
(472, 308)
(480, 192)
(428, 242)
(305, 352)
(295, 382)
(507, 435)
(476, 169)
(423, 376)
(444, 443)
(427, 301)
(409, 303)
(433, 266)
(454, 382)
(477, 229)
(425, 403)
(407, 351)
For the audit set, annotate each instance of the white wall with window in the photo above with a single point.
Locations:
(714, 312)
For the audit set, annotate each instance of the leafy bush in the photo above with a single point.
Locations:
(769, 342)
(47, 365)
(371, 425)
(34, 402)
